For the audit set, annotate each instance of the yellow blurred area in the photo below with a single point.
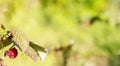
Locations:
(76, 32)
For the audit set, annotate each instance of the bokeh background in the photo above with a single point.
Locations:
(75, 32)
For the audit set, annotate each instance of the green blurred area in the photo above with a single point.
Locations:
(76, 32)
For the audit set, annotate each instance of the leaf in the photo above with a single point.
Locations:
(42, 55)
(31, 53)
(2, 26)
(20, 40)
(35, 51)
(29, 48)
(5, 43)
(5, 39)
(37, 47)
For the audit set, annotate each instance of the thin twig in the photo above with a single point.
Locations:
(2, 58)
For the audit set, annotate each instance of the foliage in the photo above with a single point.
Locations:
(8, 37)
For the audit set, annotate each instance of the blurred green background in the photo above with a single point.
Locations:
(75, 32)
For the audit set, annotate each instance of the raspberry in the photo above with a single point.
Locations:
(12, 53)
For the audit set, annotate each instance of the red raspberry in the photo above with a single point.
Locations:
(12, 53)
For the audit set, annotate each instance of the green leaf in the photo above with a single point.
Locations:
(35, 51)
(37, 47)
(5, 43)
(5, 37)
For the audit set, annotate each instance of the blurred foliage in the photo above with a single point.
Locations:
(92, 26)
